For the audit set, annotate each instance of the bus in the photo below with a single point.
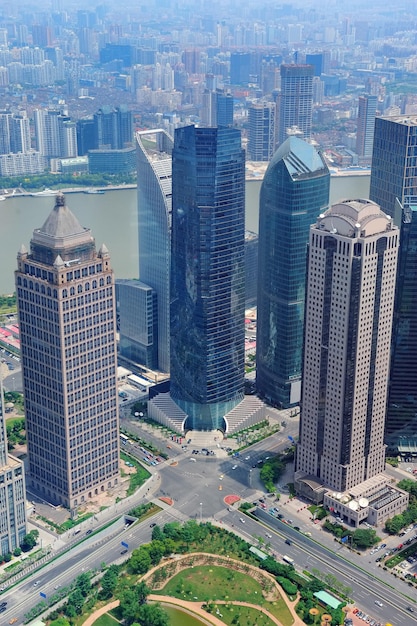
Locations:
(123, 438)
(288, 560)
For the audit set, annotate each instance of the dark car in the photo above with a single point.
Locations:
(152, 525)
(288, 542)
(123, 551)
(89, 531)
(2, 609)
(410, 608)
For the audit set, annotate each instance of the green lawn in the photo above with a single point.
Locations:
(242, 615)
(209, 583)
(105, 620)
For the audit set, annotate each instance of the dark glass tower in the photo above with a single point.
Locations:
(394, 162)
(207, 274)
(295, 190)
(401, 423)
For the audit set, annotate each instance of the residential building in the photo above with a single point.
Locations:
(295, 190)
(351, 273)
(113, 127)
(67, 321)
(207, 274)
(295, 101)
(154, 172)
(394, 163)
(261, 133)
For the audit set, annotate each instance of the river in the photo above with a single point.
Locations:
(113, 220)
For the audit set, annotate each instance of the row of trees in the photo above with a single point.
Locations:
(361, 538)
(33, 183)
(273, 469)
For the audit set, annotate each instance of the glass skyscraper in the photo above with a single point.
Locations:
(207, 274)
(394, 162)
(295, 190)
(401, 422)
(154, 149)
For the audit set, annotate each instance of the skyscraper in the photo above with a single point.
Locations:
(295, 190)
(366, 124)
(66, 304)
(401, 422)
(394, 166)
(295, 100)
(154, 161)
(208, 274)
(12, 492)
(113, 127)
(352, 262)
(261, 135)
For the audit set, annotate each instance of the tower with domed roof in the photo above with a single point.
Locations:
(66, 304)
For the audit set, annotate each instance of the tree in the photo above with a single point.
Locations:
(76, 600)
(128, 606)
(156, 551)
(140, 561)
(394, 525)
(157, 534)
(83, 583)
(109, 582)
(364, 537)
(29, 540)
(152, 615)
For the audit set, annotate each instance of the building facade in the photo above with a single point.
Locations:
(67, 321)
(13, 521)
(401, 422)
(352, 263)
(207, 274)
(295, 190)
(366, 125)
(295, 100)
(154, 170)
(394, 164)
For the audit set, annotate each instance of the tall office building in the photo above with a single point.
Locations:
(208, 274)
(154, 170)
(351, 267)
(224, 108)
(295, 190)
(401, 422)
(366, 124)
(13, 522)
(66, 304)
(295, 100)
(261, 134)
(394, 166)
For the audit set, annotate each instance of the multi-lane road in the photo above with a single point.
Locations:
(198, 489)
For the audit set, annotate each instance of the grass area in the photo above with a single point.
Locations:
(139, 477)
(242, 615)
(209, 583)
(105, 620)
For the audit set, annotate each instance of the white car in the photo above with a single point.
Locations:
(234, 467)
(242, 520)
(378, 603)
(247, 458)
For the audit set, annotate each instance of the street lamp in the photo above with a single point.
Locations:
(201, 512)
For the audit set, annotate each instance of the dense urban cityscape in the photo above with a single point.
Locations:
(225, 432)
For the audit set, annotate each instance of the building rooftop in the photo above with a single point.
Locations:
(300, 157)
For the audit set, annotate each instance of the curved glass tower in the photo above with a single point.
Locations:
(295, 190)
(207, 274)
(154, 148)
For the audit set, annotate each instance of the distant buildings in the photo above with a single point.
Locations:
(394, 162)
(66, 305)
(13, 525)
(154, 171)
(208, 274)
(295, 190)
(352, 262)
(295, 103)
